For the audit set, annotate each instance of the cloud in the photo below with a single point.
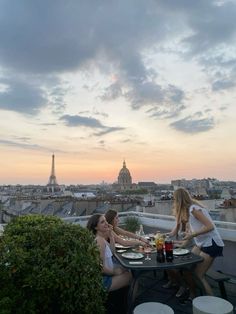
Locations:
(222, 85)
(74, 121)
(109, 130)
(112, 92)
(47, 39)
(212, 25)
(165, 112)
(21, 96)
(223, 108)
(192, 125)
(73, 36)
(48, 124)
(28, 146)
(92, 123)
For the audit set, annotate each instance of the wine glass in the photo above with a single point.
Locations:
(147, 250)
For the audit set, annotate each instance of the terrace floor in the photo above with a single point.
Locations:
(151, 290)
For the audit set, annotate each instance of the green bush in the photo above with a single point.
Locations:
(48, 266)
(132, 224)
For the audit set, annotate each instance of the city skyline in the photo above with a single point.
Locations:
(52, 178)
(151, 82)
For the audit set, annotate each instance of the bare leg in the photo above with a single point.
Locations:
(120, 281)
(189, 277)
(201, 270)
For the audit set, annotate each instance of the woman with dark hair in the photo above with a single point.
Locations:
(202, 230)
(114, 276)
(113, 220)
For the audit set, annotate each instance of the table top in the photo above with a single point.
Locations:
(183, 261)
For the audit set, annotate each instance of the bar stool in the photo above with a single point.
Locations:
(153, 308)
(211, 305)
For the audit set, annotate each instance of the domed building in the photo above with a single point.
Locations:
(124, 178)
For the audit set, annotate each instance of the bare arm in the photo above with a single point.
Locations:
(124, 242)
(112, 241)
(207, 224)
(129, 234)
(175, 231)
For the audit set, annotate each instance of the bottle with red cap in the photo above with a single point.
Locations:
(169, 249)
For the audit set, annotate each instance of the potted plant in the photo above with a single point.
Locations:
(132, 224)
(48, 266)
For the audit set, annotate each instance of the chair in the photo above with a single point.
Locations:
(211, 305)
(153, 308)
(220, 278)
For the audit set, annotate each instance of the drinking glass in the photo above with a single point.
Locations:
(147, 250)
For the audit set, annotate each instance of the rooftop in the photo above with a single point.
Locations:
(150, 283)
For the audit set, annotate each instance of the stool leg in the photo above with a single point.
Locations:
(222, 290)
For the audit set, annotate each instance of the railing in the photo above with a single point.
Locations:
(226, 229)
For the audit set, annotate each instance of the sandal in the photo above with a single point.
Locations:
(180, 293)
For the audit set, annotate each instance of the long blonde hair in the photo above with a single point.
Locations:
(182, 202)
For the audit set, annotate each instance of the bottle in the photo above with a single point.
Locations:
(169, 249)
(141, 232)
(160, 248)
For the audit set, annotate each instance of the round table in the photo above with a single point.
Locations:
(153, 308)
(211, 305)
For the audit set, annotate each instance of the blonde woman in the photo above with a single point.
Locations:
(202, 230)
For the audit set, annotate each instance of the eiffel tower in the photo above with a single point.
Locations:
(52, 185)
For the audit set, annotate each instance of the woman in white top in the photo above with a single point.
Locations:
(114, 276)
(202, 230)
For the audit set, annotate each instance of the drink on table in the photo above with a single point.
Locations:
(160, 248)
(147, 250)
(169, 249)
(141, 232)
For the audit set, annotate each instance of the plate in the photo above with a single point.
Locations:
(119, 246)
(131, 255)
(180, 251)
(121, 251)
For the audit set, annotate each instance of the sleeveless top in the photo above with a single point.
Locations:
(203, 240)
(108, 262)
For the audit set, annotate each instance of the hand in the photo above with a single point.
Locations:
(178, 243)
(110, 226)
(110, 229)
(144, 240)
(189, 236)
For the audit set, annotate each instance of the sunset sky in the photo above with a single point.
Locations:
(96, 82)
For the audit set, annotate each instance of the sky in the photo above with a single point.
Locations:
(97, 82)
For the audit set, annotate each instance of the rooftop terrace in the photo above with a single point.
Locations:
(150, 285)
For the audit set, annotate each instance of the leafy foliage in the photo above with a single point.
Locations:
(132, 224)
(48, 266)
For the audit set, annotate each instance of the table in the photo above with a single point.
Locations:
(141, 265)
(182, 261)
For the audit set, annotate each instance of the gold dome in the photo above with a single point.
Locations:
(124, 177)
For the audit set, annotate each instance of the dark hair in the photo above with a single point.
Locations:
(93, 222)
(110, 215)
